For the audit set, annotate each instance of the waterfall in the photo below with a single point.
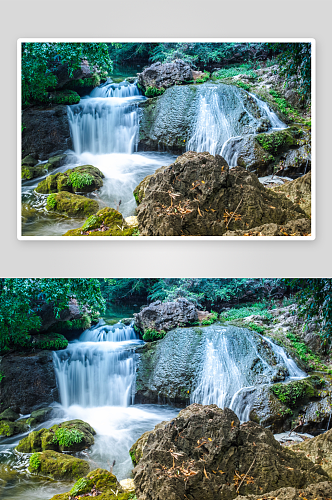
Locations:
(224, 114)
(99, 369)
(235, 363)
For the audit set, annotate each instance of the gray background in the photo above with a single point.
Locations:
(172, 18)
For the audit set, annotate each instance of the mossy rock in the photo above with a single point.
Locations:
(45, 439)
(29, 161)
(106, 222)
(65, 97)
(28, 172)
(139, 191)
(296, 392)
(39, 416)
(91, 179)
(9, 414)
(71, 204)
(101, 481)
(8, 428)
(58, 465)
(277, 141)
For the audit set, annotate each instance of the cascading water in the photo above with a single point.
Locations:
(224, 114)
(235, 363)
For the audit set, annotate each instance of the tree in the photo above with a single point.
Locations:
(40, 60)
(21, 299)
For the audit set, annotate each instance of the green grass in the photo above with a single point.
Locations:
(259, 308)
(244, 69)
(79, 181)
(67, 437)
(34, 461)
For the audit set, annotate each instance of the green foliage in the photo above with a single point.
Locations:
(34, 461)
(51, 202)
(295, 61)
(212, 319)
(132, 496)
(2, 375)
(204, 77)
(292, 393)
(67, 437)
(79, 181)
(243, 86)
(314, 296)
(302, 350)
(154, 91)
(274, 142)
(257, 328)
(65, 97)
(136, 232)
(40, 61)
(79, 486)
(283, 105)
(151, 335)
(22, 299)
(259, 308)
(244, 69)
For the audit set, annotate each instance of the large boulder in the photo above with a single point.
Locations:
(73, 435)
(9, 428)
(199, 195)
(71, 204)
(106, 222)
(58, 466)
(318, 450)
(298, 191)
(297, 227)
(166, 315)
(82, 179)
(62, 74)
(206, 454)
(29, 382)
(319, 491)
(165, 75)
(46, 131)
(98, 483)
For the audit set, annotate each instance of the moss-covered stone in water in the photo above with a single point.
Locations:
(28, 172)
(296, 392)
(101, 481)
(45, 439)
(106, 222)
(8, 428)
(58, 465)
(71, 204)
(9, 414)
(61, 181)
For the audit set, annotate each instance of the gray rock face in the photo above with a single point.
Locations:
(166, 315)
(165, 75)
(29, 382)
(320, 491)
(46, 132)
(205, 453)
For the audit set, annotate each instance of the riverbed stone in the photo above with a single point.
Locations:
(106, 222)
(46, 439)
(199, 195)
(204, 453)
(9, 428)
(99, 483)
(28, 173)
(63, 181)
(73, 205)
(58, 466)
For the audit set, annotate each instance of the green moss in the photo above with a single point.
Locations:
(34, 461)
(106, 222)
(295, 392)
(26, 173)
(8, 428)
(243, 86)
(64, 97)
(154, 91)
(73, 205)
(275, 142)
(51, 202)
(85, 178)
(211, 319)
(151, 335)
(203, 78)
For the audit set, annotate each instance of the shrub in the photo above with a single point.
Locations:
(154, 91)
(79, 486)
(204, 77)
(150, 334)
(80, 180)
(211, 319)
(67, 437)
(34, 461)
(243, 69)
(293, 393)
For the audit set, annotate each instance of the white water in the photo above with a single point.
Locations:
(224, 115)
(234, 365)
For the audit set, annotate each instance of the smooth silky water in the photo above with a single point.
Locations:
(104, 128)
(96, 380)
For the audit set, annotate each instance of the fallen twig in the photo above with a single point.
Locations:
(233, 214)
(254, 460)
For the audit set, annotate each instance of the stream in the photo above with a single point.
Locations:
(104, 127)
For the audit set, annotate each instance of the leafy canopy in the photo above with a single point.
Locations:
(41, 59)
(21, 300)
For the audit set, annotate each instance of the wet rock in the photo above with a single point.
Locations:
(71, 204)
(205, 453)
(82, 179)
(106, 222)
(136, 451)
(79, 435)
(8, 428)
(39, 416)
(128, 484)
(165, 75)
(298, 191)
(9, 414)
(99, 483)
(58, 466)
(29, 382)
(199, 195)
(46, 131)
(318, 450)
(29, 161)
(56, 161)
(251, 155)
(166, 315)
(298, 227)
(320, 491)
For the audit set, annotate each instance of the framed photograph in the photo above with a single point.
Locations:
(166, 138)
